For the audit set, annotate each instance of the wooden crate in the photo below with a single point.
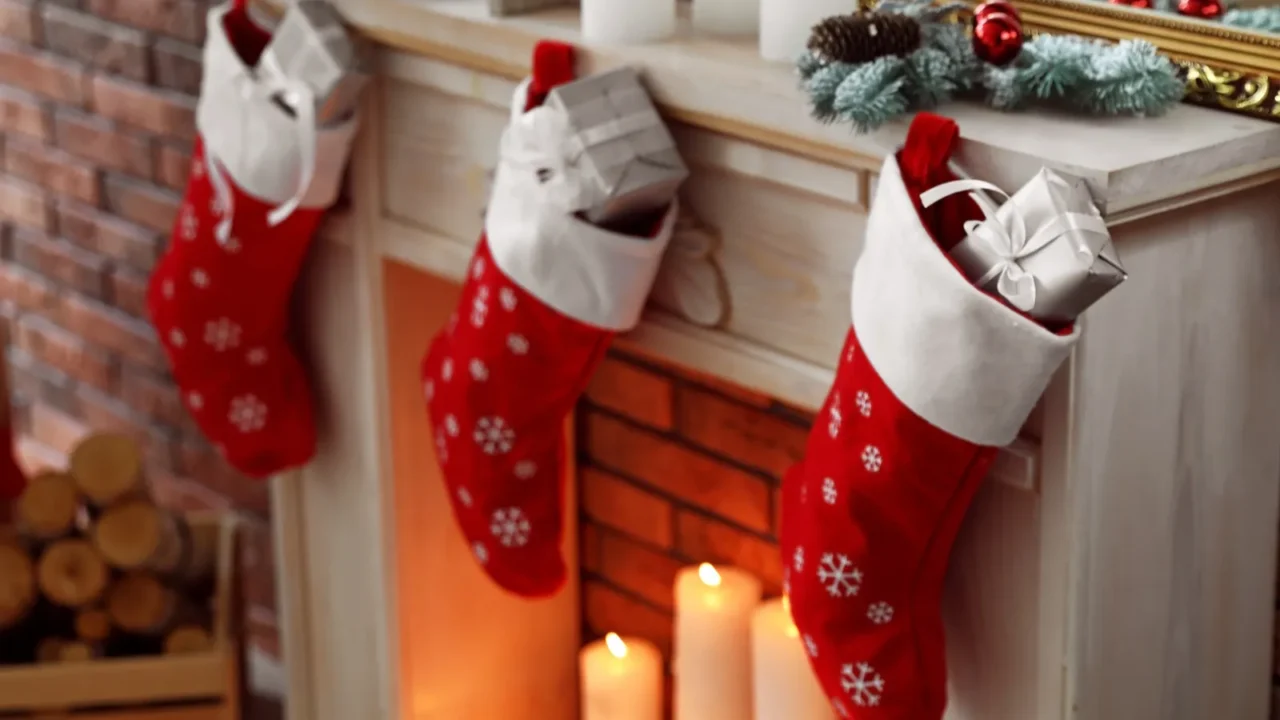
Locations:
(196, 686)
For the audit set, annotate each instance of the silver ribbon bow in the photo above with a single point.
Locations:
(1006, 237)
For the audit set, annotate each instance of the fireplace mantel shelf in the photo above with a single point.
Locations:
(1134, 165)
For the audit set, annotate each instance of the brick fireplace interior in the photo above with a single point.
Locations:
(674, 469)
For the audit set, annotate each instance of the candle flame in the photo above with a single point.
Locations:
(617, 646)
(707, 573)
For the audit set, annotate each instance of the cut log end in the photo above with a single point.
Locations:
(71, 573)
(140, 603)
(107, 467)
(136, 534)
(17, 584)
(186, 639)
(75, 651)
(49, 650)
(49, 507)
(93, 625)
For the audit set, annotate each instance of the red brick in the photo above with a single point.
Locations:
(202, 463)
(104, 413)
(112, 329)
(182, 494)
(23, 114)
(151, 396)
(172, 165)
(34, 456)
(32, 380)
(101, 233)
(705, 540)
(182, 19)
(638, 569)
(26, 289)
(58, 260)
(626, 388)
(607, 610)
(678, 471)
(143, 204)
(55, 429)
(620, 505)
(178, 65)
(257, 564)
(159, 111)
(99, 44)
(19, 21)
(52, 169)
(127, 290)
(589, 546)
(747, 434)
(24, 204)
(41, 73)
(104, 143)
(50, 344)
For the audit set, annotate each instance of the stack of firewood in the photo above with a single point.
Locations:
(91, 567)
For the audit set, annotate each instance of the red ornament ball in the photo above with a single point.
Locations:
(997, 38)
(1136, 4)
(997, 6)
(1203, 9)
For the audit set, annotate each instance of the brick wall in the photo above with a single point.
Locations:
(676, 469)
(97, 101)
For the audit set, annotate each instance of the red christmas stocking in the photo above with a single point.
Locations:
(935, 376)
(544, 296)
(260, 181)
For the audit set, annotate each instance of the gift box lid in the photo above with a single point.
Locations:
(312, 44)
(624, 143)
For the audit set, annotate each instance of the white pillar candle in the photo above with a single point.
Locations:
(712, 665)
(628, 21)
(785, 686)
(785, 24)
(725, 17)
(621, 679)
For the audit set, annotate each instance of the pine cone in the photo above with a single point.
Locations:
(863, 37)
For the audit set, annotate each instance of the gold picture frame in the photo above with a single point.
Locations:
(1224, 67)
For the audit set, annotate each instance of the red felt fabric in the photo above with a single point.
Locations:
(12, 480)
(871, 513)
(221, 312)
(500, 381)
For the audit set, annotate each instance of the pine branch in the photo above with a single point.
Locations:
(1263, 19)
(873, 93)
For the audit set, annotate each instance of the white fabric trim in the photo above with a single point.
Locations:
(953, 355)
(253, 139)
(594, 275)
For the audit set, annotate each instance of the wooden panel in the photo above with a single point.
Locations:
(468, 649)
(1175, 491)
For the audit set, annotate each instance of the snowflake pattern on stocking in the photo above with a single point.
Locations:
(833, 424)
(248, 413)
(442, 446)
(480, 306)
(195, 400)
(525, 469)
(177, 338)
(481, 552)
(862, 683)
(446, 370)
(256, 356)
(871, 458)
(494, 436)
(479, 372)
(880, 613)
(838, 575)
(510, 527)
(464, 497)
(517, 344)
(863, 400)
(222, 334)
(188, 225)
(166, 288)
(200, 278)
(829, 493)
(810, 646)
(797, 559)
(841, 710)
(507, 297)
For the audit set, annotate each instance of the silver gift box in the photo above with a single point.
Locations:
(628, 157)
(312, 45)
(1067, 281)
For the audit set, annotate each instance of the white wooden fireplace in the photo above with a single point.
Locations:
(1119, 566)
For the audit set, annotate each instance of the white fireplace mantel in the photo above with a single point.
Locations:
(1120, 567)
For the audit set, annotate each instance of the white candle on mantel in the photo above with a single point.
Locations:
(725, 17)
(785, 686)
(628, 21)
(621, 679)
(712, 665)
(785, 24)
